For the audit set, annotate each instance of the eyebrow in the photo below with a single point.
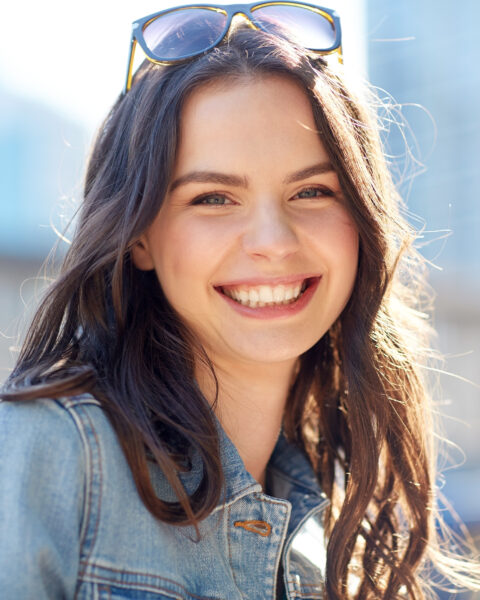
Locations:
(237, 181)
(209, 177)
(318, 169)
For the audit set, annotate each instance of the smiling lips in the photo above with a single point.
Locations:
(260, 296)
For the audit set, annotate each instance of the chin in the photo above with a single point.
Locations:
(268, 353)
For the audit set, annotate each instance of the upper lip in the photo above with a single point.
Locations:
(271, 281)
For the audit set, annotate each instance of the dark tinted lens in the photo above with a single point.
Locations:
(307, 27)
(181, 33)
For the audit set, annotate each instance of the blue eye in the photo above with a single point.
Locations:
(211, 200)
(314, 192)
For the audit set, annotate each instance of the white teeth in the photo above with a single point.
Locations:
(266, 295)
(278, 293)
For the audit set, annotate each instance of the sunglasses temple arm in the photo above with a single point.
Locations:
(340, 54)
(131, 56)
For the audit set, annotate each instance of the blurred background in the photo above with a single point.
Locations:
(61, 67)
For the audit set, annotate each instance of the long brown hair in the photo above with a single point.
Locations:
(358, 403)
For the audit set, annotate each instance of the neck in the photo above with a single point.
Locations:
(250, 406)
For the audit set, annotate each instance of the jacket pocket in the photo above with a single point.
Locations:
(166, 590)
(112, 592)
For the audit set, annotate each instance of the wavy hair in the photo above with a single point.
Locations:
(358, 404)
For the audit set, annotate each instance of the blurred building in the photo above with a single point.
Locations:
(41, 162)
(426, 55)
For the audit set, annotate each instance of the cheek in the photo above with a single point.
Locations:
(172, 251)
(335, 236)
(185, 255)
(347, 243)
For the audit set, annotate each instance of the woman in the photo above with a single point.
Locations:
(221, 394)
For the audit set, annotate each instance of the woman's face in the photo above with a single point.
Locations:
(253, 246)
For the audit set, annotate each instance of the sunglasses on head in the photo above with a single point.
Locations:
(178, 34)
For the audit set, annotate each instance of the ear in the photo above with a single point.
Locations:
(141, 256)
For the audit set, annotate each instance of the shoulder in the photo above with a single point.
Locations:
(47, 465)
(62, 456)
(50, 440)
(48, 426)
(40, 422)
(47, 440)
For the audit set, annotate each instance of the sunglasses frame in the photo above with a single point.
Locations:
(247, 11)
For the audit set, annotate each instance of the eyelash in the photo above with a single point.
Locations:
(324, 191)
(201, 200)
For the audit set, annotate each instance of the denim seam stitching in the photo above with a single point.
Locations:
(245, 492)
(96, 578)
(75, 417)
(263, 498)
(282, 536)
(71, 402)
(229, 512)
(105, 589)
(87, 423)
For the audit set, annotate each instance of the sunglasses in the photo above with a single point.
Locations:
(179, 34)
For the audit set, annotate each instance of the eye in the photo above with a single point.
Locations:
(314, 192)
(212, 200)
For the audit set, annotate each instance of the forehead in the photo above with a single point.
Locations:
(241, 121)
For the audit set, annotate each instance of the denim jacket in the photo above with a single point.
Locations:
(72, 524)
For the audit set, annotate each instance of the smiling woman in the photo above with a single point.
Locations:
(254, 227)
(221, 395)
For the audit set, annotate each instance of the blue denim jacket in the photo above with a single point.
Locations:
(73, 526)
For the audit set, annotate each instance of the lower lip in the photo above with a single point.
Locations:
(275, 312)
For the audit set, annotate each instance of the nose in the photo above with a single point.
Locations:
(270, 234)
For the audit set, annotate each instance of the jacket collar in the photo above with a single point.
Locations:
(289, 473)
